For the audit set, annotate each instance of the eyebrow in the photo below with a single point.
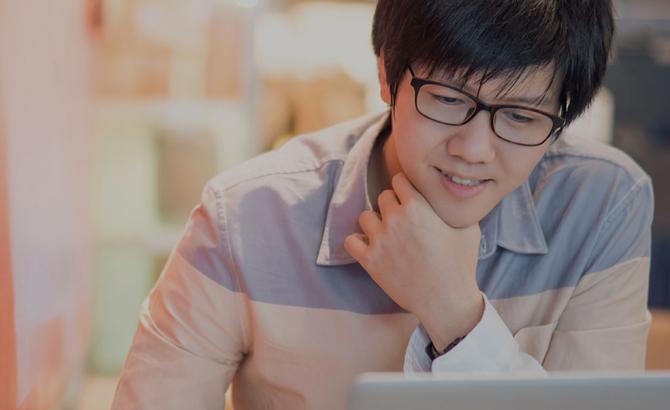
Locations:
(539, 101)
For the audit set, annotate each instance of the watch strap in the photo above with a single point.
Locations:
(433, 353)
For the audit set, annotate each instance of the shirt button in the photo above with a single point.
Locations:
(482, 245)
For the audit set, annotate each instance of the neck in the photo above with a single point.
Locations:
(382, 166)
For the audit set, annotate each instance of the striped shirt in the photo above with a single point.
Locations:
(260, 292)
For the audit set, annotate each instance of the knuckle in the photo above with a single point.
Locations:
(394, 226)
(391, 217)
(398, 182)
(385, 194)
(349, 244)
(411, 205)
(366, 216)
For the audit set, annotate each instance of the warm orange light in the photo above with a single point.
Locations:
(7, 330)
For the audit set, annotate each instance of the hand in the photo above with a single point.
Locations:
(427, 267)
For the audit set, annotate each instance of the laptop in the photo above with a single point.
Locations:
(576, 391)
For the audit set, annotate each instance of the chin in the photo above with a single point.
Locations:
(460, 221)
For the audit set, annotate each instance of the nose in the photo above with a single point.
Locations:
(474, 141)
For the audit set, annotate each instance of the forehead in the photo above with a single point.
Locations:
(536, 84)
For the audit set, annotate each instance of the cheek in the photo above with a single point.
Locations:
(416, 153)
(517, 163)
(415, 141)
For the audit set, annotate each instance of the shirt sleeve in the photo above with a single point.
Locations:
(191, 336)
(488, 348)
(606, 322)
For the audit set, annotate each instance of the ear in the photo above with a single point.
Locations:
(385, 90)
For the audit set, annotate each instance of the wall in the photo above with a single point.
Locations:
(7, 332)
(44, 103)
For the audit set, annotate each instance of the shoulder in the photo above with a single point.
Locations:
(594, 202)
(304, 154)
(602, 175)
(576, 152)
(299, 175)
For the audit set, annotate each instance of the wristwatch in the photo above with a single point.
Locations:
(433, 353)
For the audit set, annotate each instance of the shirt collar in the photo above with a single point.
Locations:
(513, 224)
(350, 197)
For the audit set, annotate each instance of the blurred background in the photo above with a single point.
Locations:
(114, 114)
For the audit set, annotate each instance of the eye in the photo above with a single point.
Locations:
(448, 100)
(519, 117)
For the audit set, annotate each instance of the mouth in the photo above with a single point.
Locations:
(463, 181)
(462, 186)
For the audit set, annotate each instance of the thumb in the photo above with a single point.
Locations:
(356, 244)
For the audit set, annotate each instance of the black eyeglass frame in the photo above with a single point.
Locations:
(558, 123)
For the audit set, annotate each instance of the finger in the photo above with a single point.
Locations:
(404, 189)
(370, 223)
(356, 244)
(387, 200)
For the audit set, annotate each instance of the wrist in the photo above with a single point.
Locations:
(447, 323)
(433, 353)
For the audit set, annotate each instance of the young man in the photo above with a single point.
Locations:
(459, 232)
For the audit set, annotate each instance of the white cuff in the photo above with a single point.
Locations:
(416, 359)
(488, 348)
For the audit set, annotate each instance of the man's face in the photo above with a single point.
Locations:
(432, 154)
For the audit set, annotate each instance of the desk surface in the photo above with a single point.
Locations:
(658, 355)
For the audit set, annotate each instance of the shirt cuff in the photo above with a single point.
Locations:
(488, 348)
(416, 359)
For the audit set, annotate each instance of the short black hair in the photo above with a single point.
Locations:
(499, 39)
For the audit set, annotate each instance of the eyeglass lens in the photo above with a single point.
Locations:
(450, 106)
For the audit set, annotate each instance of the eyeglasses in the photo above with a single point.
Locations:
(449, 105)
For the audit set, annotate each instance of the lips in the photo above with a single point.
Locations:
(462, 187)
(462, 180)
